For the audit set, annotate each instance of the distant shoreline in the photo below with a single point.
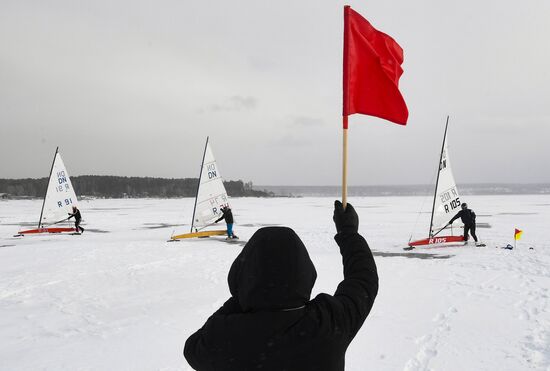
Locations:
(107, 186)
(406, 190)
(95, 186)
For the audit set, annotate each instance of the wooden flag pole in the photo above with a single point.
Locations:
(345, 163)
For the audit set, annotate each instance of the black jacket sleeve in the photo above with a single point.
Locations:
(221, 217)
(458, 215)
(354, 297)
(196, 351)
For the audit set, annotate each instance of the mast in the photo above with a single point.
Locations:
(47, 186)
(438, 171)
(198, 185)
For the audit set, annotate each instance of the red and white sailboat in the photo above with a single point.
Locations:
(58, 201)
(446, 204)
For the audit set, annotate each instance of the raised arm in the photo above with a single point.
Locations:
(356, 293)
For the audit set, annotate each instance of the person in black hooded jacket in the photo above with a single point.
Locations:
(269, 323)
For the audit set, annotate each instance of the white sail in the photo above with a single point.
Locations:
(211, 195)
(60, 195)
(447, 199)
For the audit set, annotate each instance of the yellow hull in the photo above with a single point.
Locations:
(200, 234)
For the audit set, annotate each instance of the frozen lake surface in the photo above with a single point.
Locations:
(119, 297)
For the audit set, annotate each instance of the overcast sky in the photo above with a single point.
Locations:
(134, 87)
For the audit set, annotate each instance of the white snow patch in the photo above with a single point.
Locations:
(120, 297)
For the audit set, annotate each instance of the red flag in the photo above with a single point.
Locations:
(372, 67)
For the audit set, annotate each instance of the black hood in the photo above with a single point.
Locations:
(272, 272)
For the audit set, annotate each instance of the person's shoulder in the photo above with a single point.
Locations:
(226, 323)
(325, 315)
(320, 297)
(322, 302)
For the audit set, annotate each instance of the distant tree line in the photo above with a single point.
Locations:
(122, 187)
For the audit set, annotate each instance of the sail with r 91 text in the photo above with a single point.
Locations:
(60, 195)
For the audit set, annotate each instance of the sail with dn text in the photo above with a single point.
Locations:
(209, 200)
(58, 201)
(211, 195)
(60, 196)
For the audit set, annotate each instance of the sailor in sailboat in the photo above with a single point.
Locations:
(228, 216)
(210, 199)
(468, 217)
(58, 199)
(77, 219)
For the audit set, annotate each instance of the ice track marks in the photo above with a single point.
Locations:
(535, 310)
(429, 343)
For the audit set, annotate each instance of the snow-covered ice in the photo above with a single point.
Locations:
(120, 297)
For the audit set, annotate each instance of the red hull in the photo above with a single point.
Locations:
(48, 230)
(437, 240)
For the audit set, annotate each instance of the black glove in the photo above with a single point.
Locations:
(346, 221)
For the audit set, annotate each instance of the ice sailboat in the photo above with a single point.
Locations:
(58, 201)
(446, 203)
(210, 198)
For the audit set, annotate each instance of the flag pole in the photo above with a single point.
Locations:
(345, 108)
(345, 162)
